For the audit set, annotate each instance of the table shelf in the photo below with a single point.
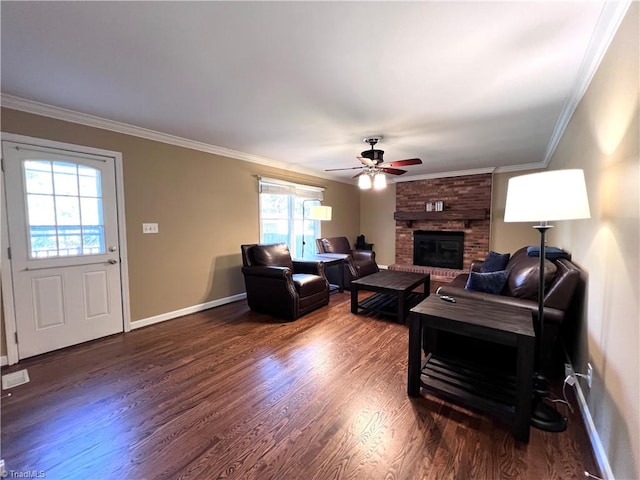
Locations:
(491, 390)
(387, 304)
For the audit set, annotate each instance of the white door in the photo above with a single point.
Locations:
(63, 236)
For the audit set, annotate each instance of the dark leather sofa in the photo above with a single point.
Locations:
(359, 262)
(279, 286)
(521, 289)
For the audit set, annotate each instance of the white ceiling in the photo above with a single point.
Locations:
(464, 86)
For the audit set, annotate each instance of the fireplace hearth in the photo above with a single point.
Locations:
(438, 249)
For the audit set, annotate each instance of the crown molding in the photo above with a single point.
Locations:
(457, 173)
(59, 113)
(519, 168)
(610, 19)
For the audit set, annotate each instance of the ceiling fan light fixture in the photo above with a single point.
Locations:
(364, 181)
(379, 181)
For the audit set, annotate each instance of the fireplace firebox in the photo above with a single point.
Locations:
(438, 249)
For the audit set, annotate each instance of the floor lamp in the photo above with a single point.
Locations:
(544, 197)
(317, 212)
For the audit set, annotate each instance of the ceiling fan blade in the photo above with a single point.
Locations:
(356, 176)
(348, 168)
(367, 161)
(393, 171)
(403, 163)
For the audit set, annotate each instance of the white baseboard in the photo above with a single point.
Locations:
(186, 311)
(594, 438)
(4, 361)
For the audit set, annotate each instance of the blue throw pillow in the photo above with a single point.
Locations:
(495, 262)
(491, 282)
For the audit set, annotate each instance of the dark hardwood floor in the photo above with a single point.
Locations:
(228, 393)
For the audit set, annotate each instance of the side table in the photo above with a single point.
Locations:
(472, 384)
(332, 260)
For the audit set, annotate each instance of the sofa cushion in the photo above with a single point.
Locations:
(272, 255)
(336, 245)
(523, 278)
(307, 284)
(489, 282)
(495, 262)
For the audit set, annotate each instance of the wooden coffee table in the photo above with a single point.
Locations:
(499, 391)
(395, 292)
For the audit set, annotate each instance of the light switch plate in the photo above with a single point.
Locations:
(149, 228)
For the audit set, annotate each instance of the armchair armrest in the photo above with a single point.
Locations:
(309, 266)
(268, 272)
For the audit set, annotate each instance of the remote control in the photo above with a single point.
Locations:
(447, 298)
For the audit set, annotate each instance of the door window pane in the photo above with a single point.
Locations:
(64, 209)
(89, 181)
(38, 177)
(41, 209)
(91, 211)
(67, 211)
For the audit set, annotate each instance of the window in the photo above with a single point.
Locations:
(281, 219)
(64, 209)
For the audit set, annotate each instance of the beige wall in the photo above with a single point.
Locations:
(603, 139)
(508, 237)
(206, 206)
(377, 223)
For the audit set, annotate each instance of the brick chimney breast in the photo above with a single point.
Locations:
(459, 194)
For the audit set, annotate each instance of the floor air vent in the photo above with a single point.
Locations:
(14, 379)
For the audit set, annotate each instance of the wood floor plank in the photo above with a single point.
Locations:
(231, 394)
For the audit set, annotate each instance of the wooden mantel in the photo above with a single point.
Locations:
(464, 216)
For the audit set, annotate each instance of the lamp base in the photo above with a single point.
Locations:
(545, 417)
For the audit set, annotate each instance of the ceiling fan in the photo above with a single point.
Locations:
(374, 168)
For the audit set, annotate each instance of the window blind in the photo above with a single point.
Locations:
(281, 187)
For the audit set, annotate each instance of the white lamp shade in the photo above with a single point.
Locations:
(364, 181)
(553, 195)
(379, 181)
(320, 212)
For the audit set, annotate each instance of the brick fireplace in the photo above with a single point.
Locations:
(467, 205)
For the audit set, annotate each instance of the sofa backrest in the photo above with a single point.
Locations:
(272, 255)
(334, 245)
(523, 279)
(561, 279)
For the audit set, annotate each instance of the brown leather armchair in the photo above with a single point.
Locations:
(359, 262)
(280, 286)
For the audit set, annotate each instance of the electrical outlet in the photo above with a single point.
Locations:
(589, 374)
(568, 370)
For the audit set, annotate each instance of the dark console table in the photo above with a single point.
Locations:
(497, 391)
(395, 292)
